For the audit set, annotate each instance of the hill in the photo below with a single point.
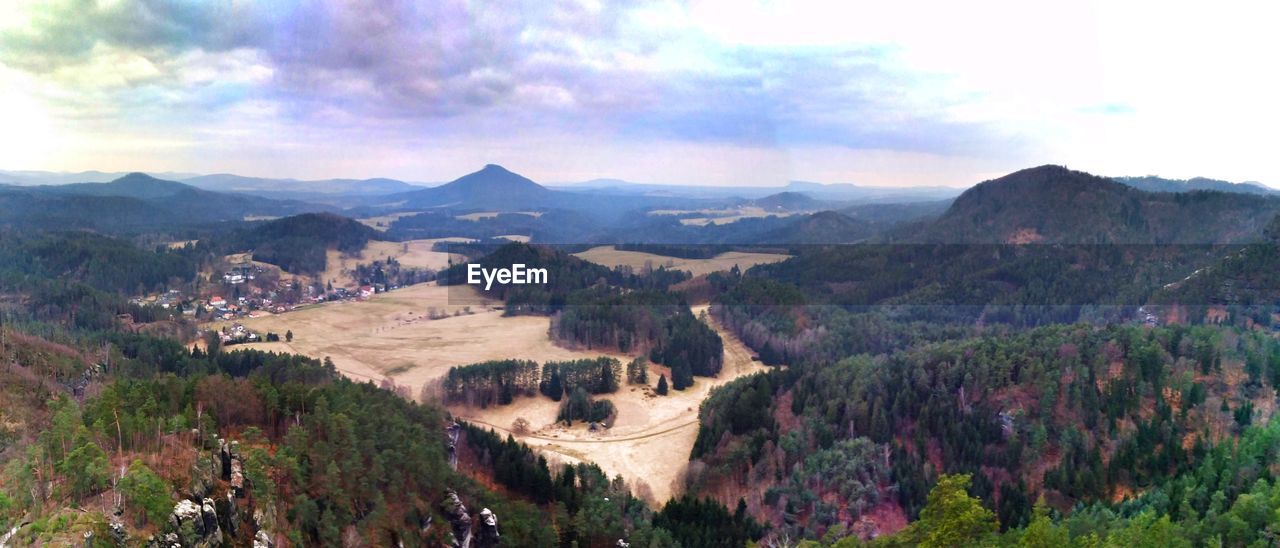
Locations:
(134, 202)
(897, 213)
(788, 201)
(1051, 204)
(493, 187)
(1152, 183)
(133, 185)
(823, 227)
(1246, 280)
(297, 244)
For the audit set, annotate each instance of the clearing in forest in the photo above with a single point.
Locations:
(392, 337)
(611, 257)
(340, 267)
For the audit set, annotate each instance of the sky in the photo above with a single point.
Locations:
(740, 92)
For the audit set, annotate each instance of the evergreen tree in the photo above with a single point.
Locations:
(662, 385)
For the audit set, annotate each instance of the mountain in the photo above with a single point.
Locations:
(133, 185)
(788, 201)
(491, 188)
(879, 194)
(225, 182)
(1152, 183)
(820, 191)
(36, 178)
(133, 202)
(1052, 204)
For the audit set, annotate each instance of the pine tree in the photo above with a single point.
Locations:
(662, 385)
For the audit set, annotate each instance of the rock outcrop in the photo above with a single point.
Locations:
(191, 525)
(459, 519)
(465, 533)
(486, 535)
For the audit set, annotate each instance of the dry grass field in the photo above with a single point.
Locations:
(391, 337)
(383, 222)
(609, 256)
(339, 268)
(181, 244)
(479, 215)
(652, 438)
(720, 216)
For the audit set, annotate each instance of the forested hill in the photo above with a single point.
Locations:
(170, 446)
(1051, 204)
(133, 203)
(298, 244)
(1152, 183)
(1245, 281)
(1076, 416)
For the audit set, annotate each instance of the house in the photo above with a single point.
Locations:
(366, 291)
(217, 302)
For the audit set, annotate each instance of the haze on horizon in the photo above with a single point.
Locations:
(702, 92)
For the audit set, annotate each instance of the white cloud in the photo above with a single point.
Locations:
(921, 91)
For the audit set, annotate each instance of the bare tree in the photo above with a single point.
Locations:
(520, 426)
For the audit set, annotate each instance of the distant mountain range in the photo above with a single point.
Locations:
(1152, 183)
(839, 192)
(134, 202)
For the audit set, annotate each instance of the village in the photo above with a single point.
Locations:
(253, 290)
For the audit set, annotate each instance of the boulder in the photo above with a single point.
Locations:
(262, 540)
(193, 525)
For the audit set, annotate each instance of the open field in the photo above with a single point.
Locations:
(515, 238)
(181, 244)
(391, 337)
(479, 215)
(383, 222)
(339, 268)
(246, 259)
(653, 435)
(610, 256)
(720, 216)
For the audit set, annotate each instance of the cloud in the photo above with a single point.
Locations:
(532, 63)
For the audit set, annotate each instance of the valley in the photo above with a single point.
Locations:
(392, 337)
(837, 367)
(603, 274)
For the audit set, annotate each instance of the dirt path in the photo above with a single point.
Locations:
(571, 441)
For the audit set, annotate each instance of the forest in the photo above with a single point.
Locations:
(931, 394)
(1071, 415)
